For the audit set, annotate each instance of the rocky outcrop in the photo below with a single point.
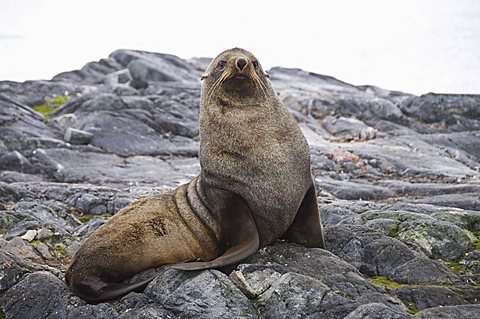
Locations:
(398, 177)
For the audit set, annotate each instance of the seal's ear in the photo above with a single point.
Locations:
(204, 77)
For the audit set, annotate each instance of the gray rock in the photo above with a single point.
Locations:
(91, 73)
(118, 77)
(11, 272)
(206, 294)
(319, 264)
(424, 270)
(148, 312)
(429, 296)
(43, 233)
(75, 136)
(103, 102)
(347, 129)
(101, 311)
(15, 161)
(459, 111)
(38, 296)
(376, 311)
(29, 235)
(147, 66)
(299, 296)
(89, 204)
(451, 312)
(437, 239)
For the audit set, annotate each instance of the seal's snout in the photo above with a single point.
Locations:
(241, 63)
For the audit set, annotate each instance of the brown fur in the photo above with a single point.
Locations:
(254, 187)
(252, 146)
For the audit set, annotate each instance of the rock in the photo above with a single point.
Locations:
(102, 310)
(424, 297)
(11, 272)
(424, 270)
(29, 235)
(118, 77)
(299, 296)
(451, 312)
(103, 102)
(398, 178)
(318, 264)
(347, 129)
(75, 136)
(150, 311)
(15, 161)
(146, 66)
(38, 296)
(43, 233)
(376, 311)
(204, 294)
(460, 112)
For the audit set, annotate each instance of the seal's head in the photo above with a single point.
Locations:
(235, 74)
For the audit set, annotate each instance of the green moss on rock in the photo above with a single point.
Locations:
(60, 249)
(51, 105)
(476, 244)
(412, 308)
(456, 267)
(87, 218)
(384, 281)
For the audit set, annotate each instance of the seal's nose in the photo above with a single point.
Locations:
(241, 62)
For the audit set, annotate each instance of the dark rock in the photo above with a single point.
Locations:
(75, 136)
(147, 66)
(148, 312)
(429, 296)
(347, 129)
(203, 294)
(459, 111)
(318, 264)
(90, 205)
(118, 77)
(15, 161)
(11, 272)
(103, 102)
(101, 311)
(376, 311)
(91, 73)
(298, 296)
(451, 312)
(37, 296)
(424, 270)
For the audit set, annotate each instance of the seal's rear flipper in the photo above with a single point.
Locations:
(306, 228)
(95, 290)
(240, 234)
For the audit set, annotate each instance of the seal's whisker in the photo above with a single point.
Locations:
(212, 89)
(258, 82)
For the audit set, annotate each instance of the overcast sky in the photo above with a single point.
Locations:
(410, 45)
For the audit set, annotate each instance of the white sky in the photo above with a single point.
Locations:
(410, 45)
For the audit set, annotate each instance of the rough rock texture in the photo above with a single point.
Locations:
(398, 179)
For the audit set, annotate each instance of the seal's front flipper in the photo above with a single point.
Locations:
(239, 232)
(306, 228)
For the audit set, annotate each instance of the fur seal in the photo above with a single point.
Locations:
(255, 187)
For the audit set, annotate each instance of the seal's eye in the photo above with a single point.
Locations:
(255, 64)
(221, 65)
